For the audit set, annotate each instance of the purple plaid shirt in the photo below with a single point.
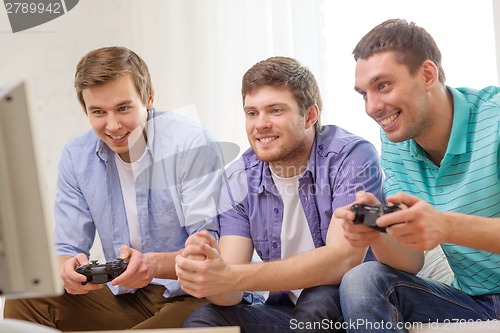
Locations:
(340, 165)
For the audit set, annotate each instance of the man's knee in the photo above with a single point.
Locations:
(33, 310)
(369, 278)
(317, 304)
(13, 309)
(363, 276)
(205, 316)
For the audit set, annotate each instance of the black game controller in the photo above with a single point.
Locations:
(368, 215)
(102, 273)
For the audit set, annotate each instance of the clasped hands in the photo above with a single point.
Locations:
(200, 269)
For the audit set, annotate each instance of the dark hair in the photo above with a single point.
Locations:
(411, 43)
(107, 64)
(284, 72)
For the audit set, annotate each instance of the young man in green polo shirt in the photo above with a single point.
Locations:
(440, 153)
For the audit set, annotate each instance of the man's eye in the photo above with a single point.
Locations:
(123, 108)
(276, 110)
(251, 114)
(381, 86)
(98, 112)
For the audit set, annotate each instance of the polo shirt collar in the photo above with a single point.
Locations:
(457, 142)
(461, 114)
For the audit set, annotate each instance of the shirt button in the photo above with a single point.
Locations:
(440, 189)
(276, 210)
(275, 245)
(320, 147)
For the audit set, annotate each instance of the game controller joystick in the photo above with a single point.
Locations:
(368, 215)
(102, 273)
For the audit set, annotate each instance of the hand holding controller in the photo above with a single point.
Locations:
(368, 215)
(102, 273)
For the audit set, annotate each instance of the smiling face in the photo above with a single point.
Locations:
(398, 101)
(115, 109)
(276, 130)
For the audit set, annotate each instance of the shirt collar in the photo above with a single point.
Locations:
(461, 113)
(457, 142)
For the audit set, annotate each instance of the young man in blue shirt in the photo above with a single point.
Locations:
(279, 202)
(440, 154)
(144, 181)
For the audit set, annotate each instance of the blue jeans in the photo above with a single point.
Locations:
(317, 310)
(377, 298)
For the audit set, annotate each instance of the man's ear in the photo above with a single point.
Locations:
(151, 101)
(312, 115)
(430, 73)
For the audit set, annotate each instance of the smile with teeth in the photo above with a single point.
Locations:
(117, 137)
(389, 120)
(268, 139)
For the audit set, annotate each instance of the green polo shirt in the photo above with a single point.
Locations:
(466, 182)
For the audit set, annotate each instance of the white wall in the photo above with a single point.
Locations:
(496, 15)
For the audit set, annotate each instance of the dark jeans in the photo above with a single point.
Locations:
(377, 298)
(317, 310)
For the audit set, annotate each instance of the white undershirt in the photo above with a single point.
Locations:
(127, 183)
(296, 236)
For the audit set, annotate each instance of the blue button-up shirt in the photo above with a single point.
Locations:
(177, 188)
(340, 165)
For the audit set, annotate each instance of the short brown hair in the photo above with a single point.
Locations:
(411, 43)
(284, 72)
(107, 64)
